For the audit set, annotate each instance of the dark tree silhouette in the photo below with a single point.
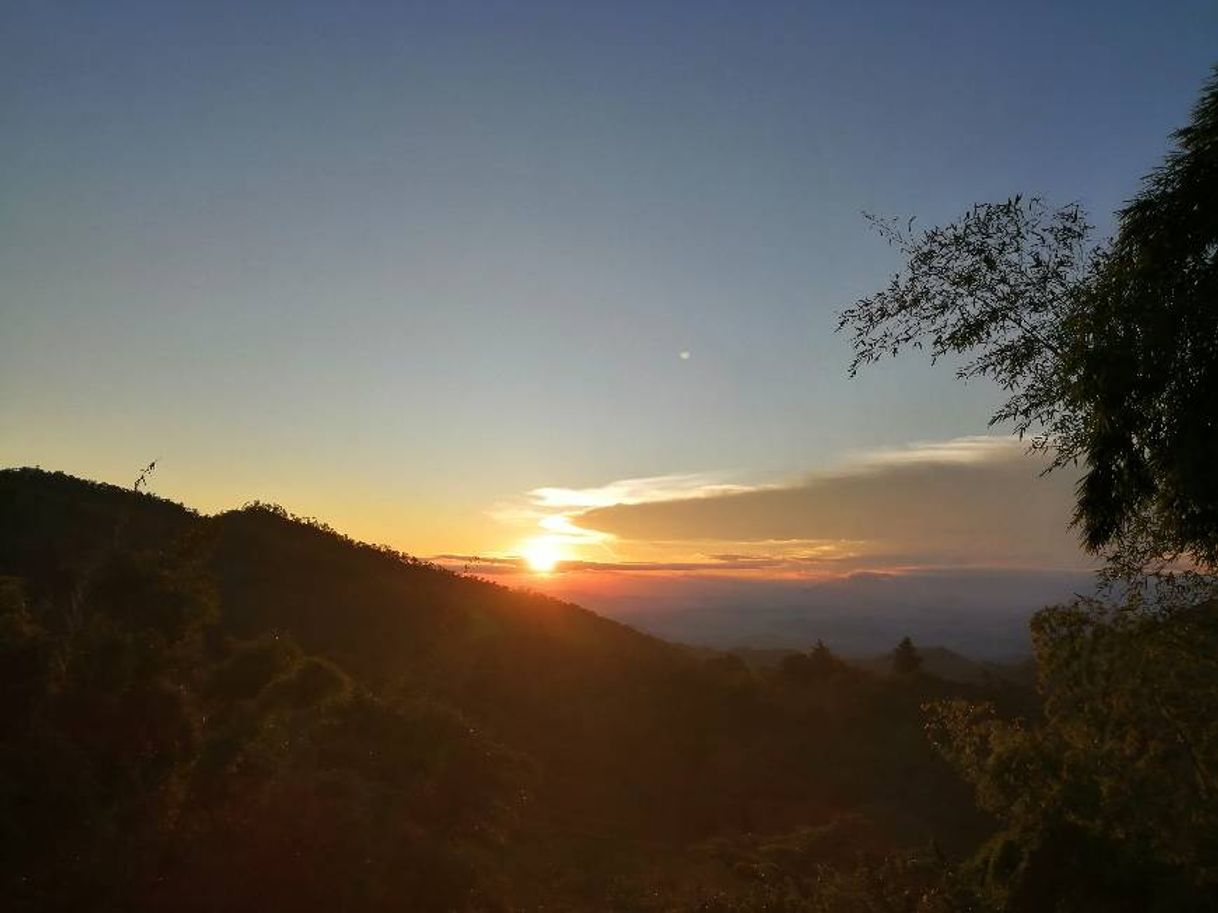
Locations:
(1109, 352)
(823, 661)
(906, 660)
(1145, 357)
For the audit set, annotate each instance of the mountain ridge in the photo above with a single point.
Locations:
(620, 739)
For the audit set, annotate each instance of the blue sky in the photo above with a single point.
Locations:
(398, 265)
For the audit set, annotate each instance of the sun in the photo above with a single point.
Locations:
(541, 554)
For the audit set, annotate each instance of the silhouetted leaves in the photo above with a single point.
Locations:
(1108, 353)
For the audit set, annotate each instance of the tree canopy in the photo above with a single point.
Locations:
(905, 658)
(1145, 355)
(1108, 351)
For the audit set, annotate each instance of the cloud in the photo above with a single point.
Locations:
(711, 564)
(647, 490)
(971, 501)
(550, 513)
(962, 450)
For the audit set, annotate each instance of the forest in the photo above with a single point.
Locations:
(251, 711)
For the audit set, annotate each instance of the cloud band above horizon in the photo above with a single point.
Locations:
(969, 502)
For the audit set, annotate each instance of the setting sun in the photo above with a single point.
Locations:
(542, 554)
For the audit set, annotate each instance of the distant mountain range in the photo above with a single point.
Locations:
(937, 661)
(981, 612)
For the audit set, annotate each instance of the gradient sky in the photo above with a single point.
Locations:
(400, 265)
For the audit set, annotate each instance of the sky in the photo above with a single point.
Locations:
(538, 281)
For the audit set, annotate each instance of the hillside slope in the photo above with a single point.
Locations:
(620, 752)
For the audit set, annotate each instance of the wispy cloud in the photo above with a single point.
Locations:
(647, 490)
(553, 512)
(971, 501)
(978, 501)
(814, 559)
(972, 449)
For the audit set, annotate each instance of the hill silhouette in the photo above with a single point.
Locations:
(561, 755)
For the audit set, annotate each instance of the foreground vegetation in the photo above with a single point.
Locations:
(250, 711)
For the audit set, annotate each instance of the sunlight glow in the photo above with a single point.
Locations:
(542, 554)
